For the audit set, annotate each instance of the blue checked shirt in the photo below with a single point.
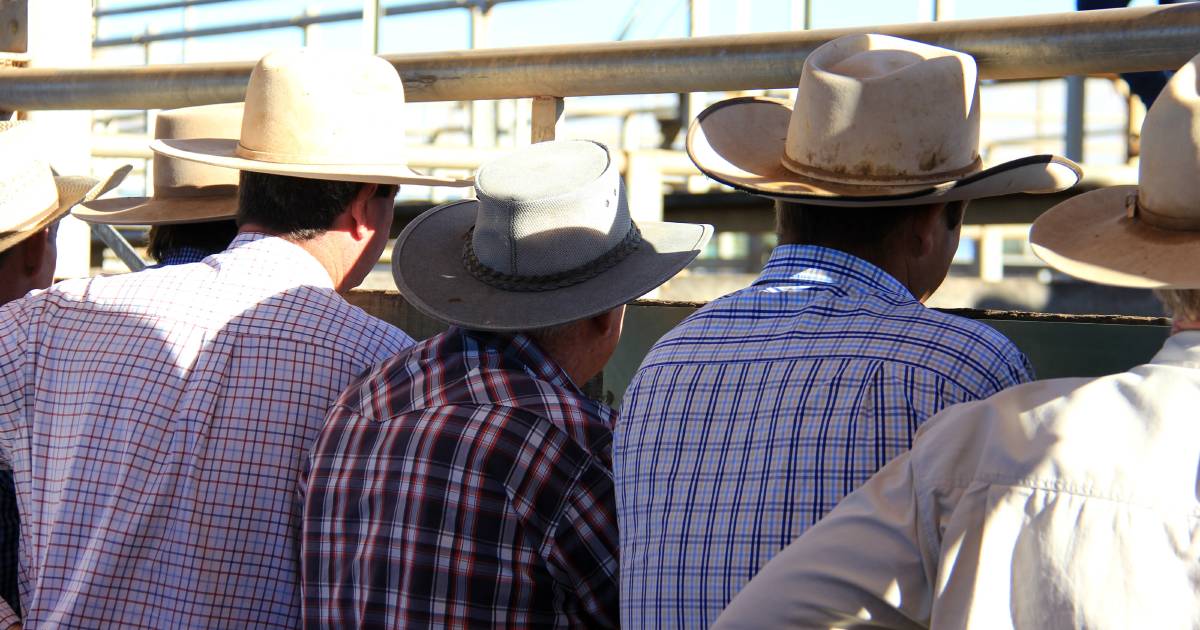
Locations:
(756, 415)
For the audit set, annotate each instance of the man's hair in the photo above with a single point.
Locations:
(210, 236)
(1183, 304)
(296, 207)
(808, 224)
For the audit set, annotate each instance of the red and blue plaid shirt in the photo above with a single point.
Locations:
(157, 423)
(466, 482)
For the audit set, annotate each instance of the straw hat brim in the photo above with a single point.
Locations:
(157, 210)
(72, 189)
(1090, 237)
(222, 152)
(427, 264)
(740, 142)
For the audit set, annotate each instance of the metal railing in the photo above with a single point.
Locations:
(1116, 40)
(302, 20)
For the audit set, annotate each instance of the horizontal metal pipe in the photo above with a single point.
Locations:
(1116, 40)
(159, 6)
(302, 20)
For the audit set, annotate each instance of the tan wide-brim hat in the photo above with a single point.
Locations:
(317, 114)
(1148, 235)
(184, 191)
(70, 190)
(548, 241)
(877, 121)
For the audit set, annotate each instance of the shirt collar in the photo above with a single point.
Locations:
(1181, 348)
(279, 259)
(520, 349)
(813, 264)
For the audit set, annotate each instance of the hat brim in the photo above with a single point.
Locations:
(740, 142)
(72, 189)
(1090, 237)
(222, 152)
(428, 269)
(157, 211)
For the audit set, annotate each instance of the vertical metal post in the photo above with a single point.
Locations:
(544, 118)
(1075, 114)
(370, 25)
(483, 113)
(991, 254)
(60, 36)
(742, 19)
(644, 189)
(800, 17)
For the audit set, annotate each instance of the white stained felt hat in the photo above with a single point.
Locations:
(32, 196)
(548, 241)
(1146, 235)
(877, 121)
(184, 191)
(317, 114)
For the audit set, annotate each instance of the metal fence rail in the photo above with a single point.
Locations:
(1117, 40)
(302, 20)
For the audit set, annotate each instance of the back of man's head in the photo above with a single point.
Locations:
(209, 237)
(851, 229)
(28, 265)
(1182, 305)
(915, 244)
(297, 208)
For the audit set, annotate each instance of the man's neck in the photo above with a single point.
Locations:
(1181, 325)
(318, 247)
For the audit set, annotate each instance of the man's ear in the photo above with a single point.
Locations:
(926, 226)
(608, 322)
(34, 250)
(359, 212)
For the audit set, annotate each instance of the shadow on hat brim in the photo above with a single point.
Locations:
(221, 152)
(740, 143)
(72, 189)
(1090, 237)
(427, 264)
(157, 211)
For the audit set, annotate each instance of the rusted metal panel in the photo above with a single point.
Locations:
(1057, 345)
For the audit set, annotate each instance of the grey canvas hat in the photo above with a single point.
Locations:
(548, 241)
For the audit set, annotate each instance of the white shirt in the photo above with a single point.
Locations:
(157, 424)
(1056, 504)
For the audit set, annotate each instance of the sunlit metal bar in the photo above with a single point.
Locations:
(302, 20)
(159, 6)
(1116, 40)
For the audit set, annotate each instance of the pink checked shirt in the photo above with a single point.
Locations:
(157, 424)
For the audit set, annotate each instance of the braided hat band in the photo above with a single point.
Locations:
(550, 282)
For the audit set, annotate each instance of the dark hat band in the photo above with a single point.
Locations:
(550, 282)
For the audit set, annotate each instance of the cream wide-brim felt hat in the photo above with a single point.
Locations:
(877, 121)
(1143, 236)
(545, 210)
(184, 191)
(320, 115)
(34, 197)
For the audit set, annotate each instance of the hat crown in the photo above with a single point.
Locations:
(27, 187)
(309, 107)
(549, 208)
(1168, 188)
(183, 178)
(874, 109)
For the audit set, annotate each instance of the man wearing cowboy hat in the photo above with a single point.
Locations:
(32, 200)
(1068, 503)
(750, 420)
(192, 210)
(468, 481)
(157, 422)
